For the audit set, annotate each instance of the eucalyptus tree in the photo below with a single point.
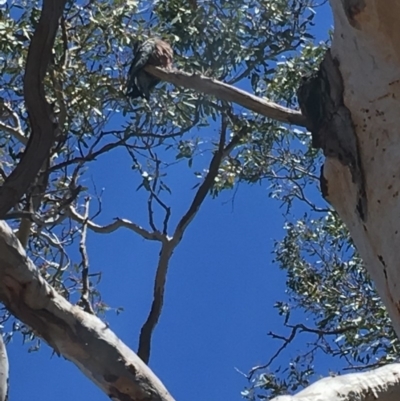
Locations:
(64, 105)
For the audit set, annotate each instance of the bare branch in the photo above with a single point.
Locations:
(79, 336)
(40, 114)
(229, 93)
(158, 300)
(90, 156)
(169, 246)
(85, 301)
(204, 187)
(287, 340)
(118, 223)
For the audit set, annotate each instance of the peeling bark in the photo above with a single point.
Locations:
(79, 336)
(42, 124)
(321, 101)
(352, 106)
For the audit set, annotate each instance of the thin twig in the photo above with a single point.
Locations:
(89, 157)
(287, 340)
(85, 294)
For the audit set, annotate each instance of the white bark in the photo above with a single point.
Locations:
(353, 110)
(382, 384)
(366, 44)
(3, 370)
(80, 337)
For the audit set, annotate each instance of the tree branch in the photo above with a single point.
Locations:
(287, 340)
(80, 337)
(85, 294)
(40, 113)
(207, 184)
(118, 223)
(382, 384)
(15, 130)
(158, 300)
(169, 246)
(229, 93)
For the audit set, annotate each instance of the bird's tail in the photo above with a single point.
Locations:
(141, 85)
(133, 89)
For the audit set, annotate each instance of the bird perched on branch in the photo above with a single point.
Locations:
(155, 52)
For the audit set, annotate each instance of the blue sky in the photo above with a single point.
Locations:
(220, 293)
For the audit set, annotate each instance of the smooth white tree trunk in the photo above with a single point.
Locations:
(366, 44)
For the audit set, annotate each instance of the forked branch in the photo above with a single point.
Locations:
(79, 336)
(169, 246)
